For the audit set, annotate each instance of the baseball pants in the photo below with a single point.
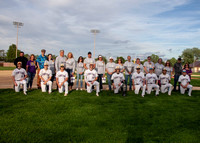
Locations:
(44, 87)
(89, 88)
(166, 87)
(184, 89)
(150, 86)
(23, 82)
(116, 90)
(138, 87)
(64, 86)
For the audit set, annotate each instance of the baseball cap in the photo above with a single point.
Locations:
(45, 64)
(19, 62)
(111, 58)
(150, 68)
(184, 71)
(100, 56)
(138, 67)
(91, 63)
(164, 69)
(62, 65)
(117, 67)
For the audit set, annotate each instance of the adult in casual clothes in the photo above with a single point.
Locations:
(61, 80)
(129, 69)
(169, 68)
(184, 81)
(100, 67)
(19, 76)
(79, 72)
(120, 65)
(31, 70)
(40, 63)
(91, 77)
(159, 67)
(188, 70)
(21, 59)
(178, 71)
(138, 81)
(110, 69)
(152, 82)
(165, 82)
(117, 80)
(138, 63)
(51, 66)
(148, 64)
(45, 75)
(70, 68)
(61, 59)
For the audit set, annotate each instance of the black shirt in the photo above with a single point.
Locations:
(178, 68)
(24, 61)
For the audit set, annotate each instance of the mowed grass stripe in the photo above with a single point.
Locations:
(82, 117)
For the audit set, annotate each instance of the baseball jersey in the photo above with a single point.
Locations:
(164, 79)
(80, 67)
(59, 60)
(121, 67)
(117, 77)
(141, 67)
(184, 79)
(90, 75)
(88, 61)
(70, 64)
(61, 76)
(51, 65)
(169, 70)
(138, 78)
(129, 66)
(151, 78)
(158, 69)
(100, 66)
(147, 65)
(19, 73)
(110, 66)
(45, 74)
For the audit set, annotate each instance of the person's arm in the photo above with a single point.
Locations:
(104, 69)
(27, 68)
(85, 66)
(133, 84)
(13, 78)
(73, 70)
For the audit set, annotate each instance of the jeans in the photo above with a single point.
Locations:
(109, 80)
(176, 77)
(69, 71)
(126, 81)
(30, 79)
(77, 80)
(100, 80)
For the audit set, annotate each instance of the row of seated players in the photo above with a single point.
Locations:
(140, 81)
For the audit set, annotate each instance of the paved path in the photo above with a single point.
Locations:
(6, 81)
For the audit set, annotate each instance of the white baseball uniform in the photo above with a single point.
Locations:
(138, 65)
(19, 74)
(61, 76)
(184, 80)
(151, 80)
(45, 74)
(138, 82)
(90, 75)
(148, 65)
(165, 85)
(117, 79)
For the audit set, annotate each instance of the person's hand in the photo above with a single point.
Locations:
(119, 84)
(21, 79)
(15, 83)
(59, 86)
(114, 86)
(103, 75)
(129, 73)
(81, 73)
(88, 84)
(92, 82)
(133, 87)
(45, 82)
(72, 73)
(62, 83)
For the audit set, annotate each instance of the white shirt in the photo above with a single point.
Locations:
(138, 78)
(60, 60)
(129, 66)
(147, 65)
(80, 67)
(19, 73)
(184, 79)
(88, 61)
(110, 66)
(164, 79)
(70, 64)
(45, 74)
(51, 65)
(169, 70)
(90, 75)
(61, 76)
(100, 66)
(151, 78)
(117, 78)
(158, 69)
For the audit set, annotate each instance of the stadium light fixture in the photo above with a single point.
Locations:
(94, 31)
(17, 25)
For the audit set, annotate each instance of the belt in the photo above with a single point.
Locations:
(163, 84)
(137, 84)
(150, 83)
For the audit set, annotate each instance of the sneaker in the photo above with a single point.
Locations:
(81, 89)
(76, 88)
(49, 92)
(25, 93)
(97, 94)
(189, 95)
(142, 95)
(65, 94)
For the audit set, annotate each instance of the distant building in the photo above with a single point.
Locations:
(195, 66)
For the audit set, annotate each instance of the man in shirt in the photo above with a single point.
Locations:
(129, 67)
(61, 59)
(21, 59)
(177, 70)
(110, 69)
(148, 64)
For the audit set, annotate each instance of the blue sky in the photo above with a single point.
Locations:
(128, 27)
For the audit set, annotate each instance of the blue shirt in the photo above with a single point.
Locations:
(41, 60)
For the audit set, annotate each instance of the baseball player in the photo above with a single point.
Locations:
(45, 75)
(129, 67)
(139, 81)
(148, 64)
(110, 69)
(61, 80)
(184, 81)
(165, 82)
(91, 77)
(152, 82)
(19, 76)
(117, 79)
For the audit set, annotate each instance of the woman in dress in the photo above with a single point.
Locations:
(70, 68)
(80, 72)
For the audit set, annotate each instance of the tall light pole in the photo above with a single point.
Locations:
(18, 25)
(94, 31)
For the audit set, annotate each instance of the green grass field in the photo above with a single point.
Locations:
(7, 68)
(82, 117)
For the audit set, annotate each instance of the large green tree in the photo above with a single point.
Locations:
(190, 55)
(11, 53)
(172, 61)
(154, 58)
(122, 58)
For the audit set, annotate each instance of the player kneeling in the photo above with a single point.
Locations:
(61, 80)
(184, 81)
(117, 79)
(152, 82)
(19, 76)
(165, 82)
(138, 81)
(90, 79)
(45, 76)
